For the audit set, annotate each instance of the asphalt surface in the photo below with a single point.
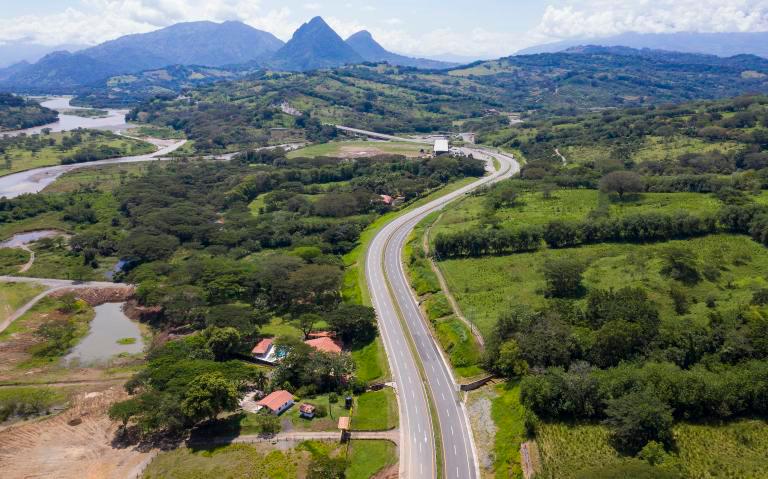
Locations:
(401, 322)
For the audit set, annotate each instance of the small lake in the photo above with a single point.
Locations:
(100, 345)
(22, 239)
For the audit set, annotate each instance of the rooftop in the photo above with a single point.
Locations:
(262, 347)
(441, 146)
(275, 400)
(325, 344)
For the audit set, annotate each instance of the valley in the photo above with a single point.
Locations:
(231, 253)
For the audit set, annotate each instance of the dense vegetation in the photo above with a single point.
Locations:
(211, 268)
(635, 284)
(16, 113)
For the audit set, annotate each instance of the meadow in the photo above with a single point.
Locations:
(485, 287)
(14, 295)
(533, 208)
(21, 158)
(733, 450)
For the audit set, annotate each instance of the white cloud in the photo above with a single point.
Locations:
(611, 17)
(101, 20)
(312, 6)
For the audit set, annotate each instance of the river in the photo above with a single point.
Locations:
(34, 181)
(115, 119)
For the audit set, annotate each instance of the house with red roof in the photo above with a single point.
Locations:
(326, 344)
(277, 402)
(264, 351)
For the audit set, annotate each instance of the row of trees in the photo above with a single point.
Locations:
(636, 228)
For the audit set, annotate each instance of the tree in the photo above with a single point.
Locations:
(653, 453)
(223, 342)
(682, 264)
(208, 396)
(307, 321)
(353, 322)
(268, 424)
(123, 411)
(563, 276)
(637, 418)
(621, 183)
(509, 363)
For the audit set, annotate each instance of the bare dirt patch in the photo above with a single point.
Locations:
(98, 296)
(479, 405)
(74, 444)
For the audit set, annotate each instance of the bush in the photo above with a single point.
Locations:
(563, 277)
(637, 418)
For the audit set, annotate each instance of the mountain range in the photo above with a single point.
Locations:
(720, 44)
(233, 45)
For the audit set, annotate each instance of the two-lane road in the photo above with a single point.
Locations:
(397, 307)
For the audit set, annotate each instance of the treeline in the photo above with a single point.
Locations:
(16, 113)
(637, 228)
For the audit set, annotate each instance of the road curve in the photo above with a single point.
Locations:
(396, 306)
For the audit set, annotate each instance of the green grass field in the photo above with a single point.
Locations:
(11, 259)
(104, 177)
(486, 286)
(366, 458)
(458, 343)
(15, 295)
(569, 205)
(23, 159)
(508, 415)
(732, 450)
(234, 461)
(356, 149)
(375, 411)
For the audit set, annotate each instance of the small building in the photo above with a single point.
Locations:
(325, 344)
(277, 402)
(441, 147)
(307, 410)
(386, 199)
(264, 351)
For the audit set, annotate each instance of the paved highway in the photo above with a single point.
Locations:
(396, 307)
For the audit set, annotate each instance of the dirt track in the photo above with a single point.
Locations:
(52, 448)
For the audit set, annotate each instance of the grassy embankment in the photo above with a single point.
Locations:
(25, 159)
(456, 339)
(15, 295)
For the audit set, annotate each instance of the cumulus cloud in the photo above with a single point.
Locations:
(100, 20)
(596, 18)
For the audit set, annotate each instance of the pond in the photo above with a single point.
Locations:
(108, 336)
(22, 239)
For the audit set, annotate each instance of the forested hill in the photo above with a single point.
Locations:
(598, 77)
(587, 78)
(17, 113)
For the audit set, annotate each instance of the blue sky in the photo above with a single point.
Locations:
(478, 28)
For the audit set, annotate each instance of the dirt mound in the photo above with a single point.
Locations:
(98, 296)
(145, 314)
(74, 444)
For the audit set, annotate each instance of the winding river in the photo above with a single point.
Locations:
(115, 119)
(34, 181)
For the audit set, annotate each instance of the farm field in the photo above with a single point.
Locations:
(485, 287)
(357, 149)
(741, 450)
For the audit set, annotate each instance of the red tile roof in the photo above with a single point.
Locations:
(276, 400)
(262, 347)
(307, 408)
(321, 334)
(325, 344)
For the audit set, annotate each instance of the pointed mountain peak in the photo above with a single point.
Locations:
(361, 35)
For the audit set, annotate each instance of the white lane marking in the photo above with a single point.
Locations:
(442, 395)
(454, 449)
(451, 429)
